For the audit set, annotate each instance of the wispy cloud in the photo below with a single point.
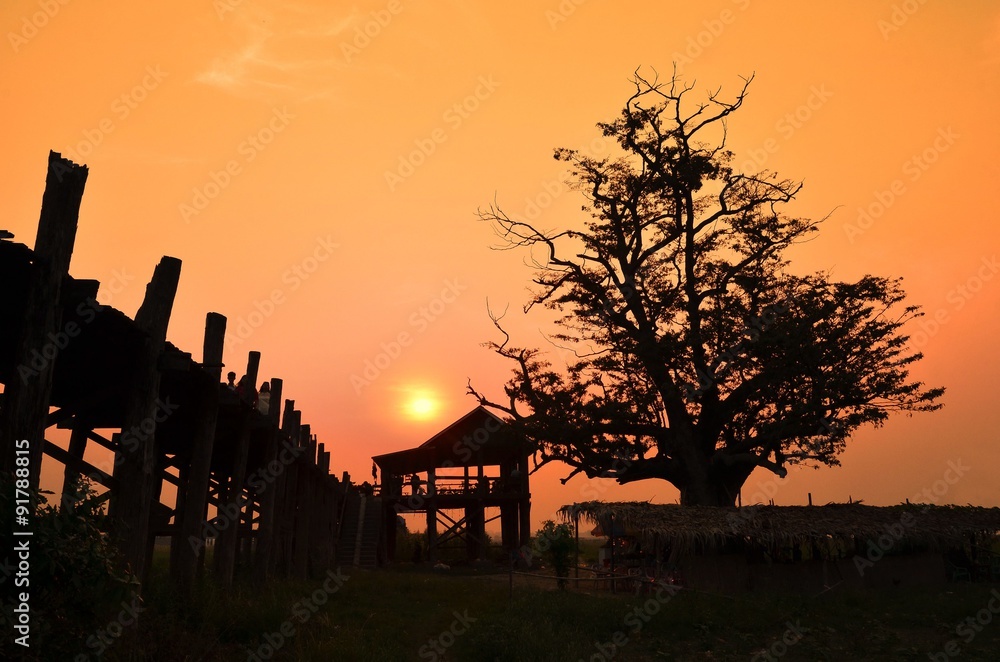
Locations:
(288, 52)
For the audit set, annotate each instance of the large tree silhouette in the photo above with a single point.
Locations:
(698, 355)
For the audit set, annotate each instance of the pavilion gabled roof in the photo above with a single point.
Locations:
(479, 437)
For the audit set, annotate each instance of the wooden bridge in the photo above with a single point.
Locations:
(66, 361)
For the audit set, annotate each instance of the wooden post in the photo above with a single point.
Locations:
(245, 556)
(431, 530)
(390, 496)
(611, 537)
(306, 442)
(431, 516)
(190, 539)
(130, 506)
(228, 543)
(303, 508)
(268, 497)
(26, 398)
(576, 548)
(278, 537)
(77, 448)
(285, 525)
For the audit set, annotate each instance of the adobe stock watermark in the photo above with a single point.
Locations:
(967, 630)
(121, 108)
(634, 620)
(419, 320)
(562, 12)
(32, 25)
(787, 126)
(553, 189)
(85, 313)
(223, 7)
(248, 150)
(454, 117)
(913, 169)
(747, 514)
(104, 638)
(112, 287)
(131, 439)
(292, 279)
(228, 514)
(697, 44)
(792, 635)
(900, 14)
(437, 646)
(302, 612)
(365, 34)
(880, 546)
(958, 297)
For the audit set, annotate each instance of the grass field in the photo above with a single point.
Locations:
(414, 613)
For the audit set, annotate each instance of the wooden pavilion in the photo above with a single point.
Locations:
(475, 464)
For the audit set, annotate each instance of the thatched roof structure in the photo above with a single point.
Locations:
(707, 526)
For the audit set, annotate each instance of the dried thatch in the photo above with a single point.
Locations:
(706, 526)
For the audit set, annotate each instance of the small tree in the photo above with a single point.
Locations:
(556, 544)
(699, 356)
(77, 582)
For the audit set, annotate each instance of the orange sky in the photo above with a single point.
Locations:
(332, 160)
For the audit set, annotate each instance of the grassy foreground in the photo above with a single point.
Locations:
(418, 614)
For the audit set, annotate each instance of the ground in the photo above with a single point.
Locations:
(415, 613)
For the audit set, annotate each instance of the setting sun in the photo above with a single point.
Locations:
(421, 407)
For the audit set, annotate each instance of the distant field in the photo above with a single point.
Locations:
(412, 613)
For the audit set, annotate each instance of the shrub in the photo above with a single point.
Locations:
(77, 583)
(556, 544)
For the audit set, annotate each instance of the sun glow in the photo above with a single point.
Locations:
(421, 407)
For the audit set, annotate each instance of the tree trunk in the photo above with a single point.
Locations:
(713, 485)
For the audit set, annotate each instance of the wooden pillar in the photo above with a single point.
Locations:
(246, 553)
(432, 516)
(524, 506)
(303, 509)
(311, 444)
(228, 543)
(268, 497)
(431, 530)
(320, 542)
(576, 544)
(158, 468)
(77, 448)
(26, 396)
(189, 541)
(130, 506)
(391, 495)
(611, 534)
(279, 559)
(288, 495)
(508, 526)
(474, 529)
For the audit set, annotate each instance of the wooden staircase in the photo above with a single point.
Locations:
(360, 531)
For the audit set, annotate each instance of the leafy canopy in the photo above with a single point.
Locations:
(698, 354)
